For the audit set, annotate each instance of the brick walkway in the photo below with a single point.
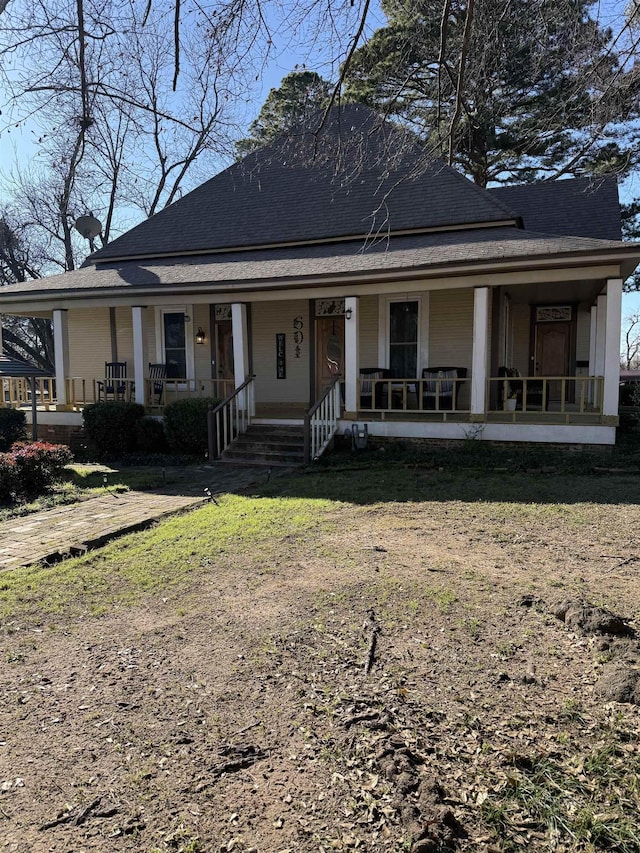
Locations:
(72, 530)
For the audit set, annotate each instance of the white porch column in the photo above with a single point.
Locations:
(351, 353)
(598, 355)
(480, 352)
(601, 310)
(612, 348)
(593, 330)
(140, 361)
(61, 353)
(240, 334)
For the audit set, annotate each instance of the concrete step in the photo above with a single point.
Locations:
(268, 445)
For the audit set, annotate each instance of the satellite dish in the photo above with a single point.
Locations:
(88, 226)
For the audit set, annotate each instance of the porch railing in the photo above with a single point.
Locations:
(321, 422)
(17, 392)
(158, 392)
(566, 395)
(230, 418)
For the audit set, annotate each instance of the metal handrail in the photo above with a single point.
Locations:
(229, 418)
(320, 421)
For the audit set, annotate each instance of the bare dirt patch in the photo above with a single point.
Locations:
(235, 712)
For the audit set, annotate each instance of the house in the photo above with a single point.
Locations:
(340, 277)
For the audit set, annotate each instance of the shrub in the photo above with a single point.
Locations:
(7, 478)
(12, 427)
(31, 469)
(150, 437)
(111, 427)
(186, 425)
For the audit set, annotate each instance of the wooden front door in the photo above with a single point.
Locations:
(329, 351)
(552, 353)
(222, 362)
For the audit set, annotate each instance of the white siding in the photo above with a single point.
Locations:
(368, 309)
(451, 328)
(520, 331)
(583, 332)
(267, 320)
(89, 342)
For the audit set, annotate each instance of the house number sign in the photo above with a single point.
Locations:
(281, 356)
(298, 336)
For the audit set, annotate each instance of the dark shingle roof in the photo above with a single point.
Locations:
(583, 207)
(287, 265)
(359, 175)
(20, 369)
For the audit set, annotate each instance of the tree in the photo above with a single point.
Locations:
(507, 91)
(630, 356)
(28, 339)
(300, 95)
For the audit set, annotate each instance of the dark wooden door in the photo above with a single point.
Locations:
(329, 351)
(552, 353)
(223, 358)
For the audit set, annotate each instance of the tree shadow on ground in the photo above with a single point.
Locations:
(514, 478)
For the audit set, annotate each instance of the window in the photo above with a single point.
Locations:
(403, 339)
(175, 350)
(174, 341)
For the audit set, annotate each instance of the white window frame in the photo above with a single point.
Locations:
(187, 310)
(384, 334)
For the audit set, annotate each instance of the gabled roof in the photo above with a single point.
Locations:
(581, 207)
(357, 176)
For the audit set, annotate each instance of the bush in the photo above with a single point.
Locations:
(12, 427)
(38, 466)
(31, 469)
(186, 425)
(150, 437)
(8, 480)
(111, 427)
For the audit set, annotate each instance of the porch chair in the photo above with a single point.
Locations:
(112, 384)
(445, 391)
(368, 377)
(157, 373)
(515, 385)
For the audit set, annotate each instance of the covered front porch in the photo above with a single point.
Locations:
(453, 359)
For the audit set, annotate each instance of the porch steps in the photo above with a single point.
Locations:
(268, 444)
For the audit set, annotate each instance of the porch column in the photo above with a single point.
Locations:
(480, 353)
(598, 355)
(140, 362)
(61, 353)
(240, 334)
(612, 349)
(351, 352)
(593, 331)
(601, 310)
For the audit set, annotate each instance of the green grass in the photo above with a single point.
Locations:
(158, 559)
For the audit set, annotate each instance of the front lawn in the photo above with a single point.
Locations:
(203, 685)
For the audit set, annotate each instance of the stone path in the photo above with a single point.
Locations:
(71, 530)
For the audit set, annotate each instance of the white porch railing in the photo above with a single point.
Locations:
(321, 422)
(230, 418)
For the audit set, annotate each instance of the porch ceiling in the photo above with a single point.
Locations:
(555, 292)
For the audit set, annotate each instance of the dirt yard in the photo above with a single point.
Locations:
(232, 710)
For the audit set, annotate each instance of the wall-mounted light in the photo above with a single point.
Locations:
(200, 335)
(348, 313)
